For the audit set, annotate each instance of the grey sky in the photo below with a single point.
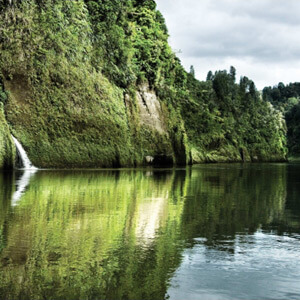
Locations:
(260, 38)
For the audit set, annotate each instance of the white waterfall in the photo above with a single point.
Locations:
(24, 158)
(29, 170)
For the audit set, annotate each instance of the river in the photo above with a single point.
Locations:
(221, 231)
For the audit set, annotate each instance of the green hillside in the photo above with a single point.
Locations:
(95, 84)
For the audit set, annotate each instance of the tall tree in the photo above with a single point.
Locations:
(192, 70)
(209, 76)
(233, 73)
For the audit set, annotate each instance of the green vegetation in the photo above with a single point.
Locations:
(95, 84)
(7, 149)
(226, 121)
(287, 100)
(63, 111)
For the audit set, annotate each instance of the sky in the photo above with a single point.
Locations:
(260, 38)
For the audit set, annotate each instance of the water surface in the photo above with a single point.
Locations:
(207, 232)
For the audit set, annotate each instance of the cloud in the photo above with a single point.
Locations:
(254, 34)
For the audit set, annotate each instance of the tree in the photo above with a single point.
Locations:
(209, 76)
(281, 86)
(220, 83)
(232, 73)
(192, 70)
(252, 89)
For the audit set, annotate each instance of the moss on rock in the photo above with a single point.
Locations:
(7, 149)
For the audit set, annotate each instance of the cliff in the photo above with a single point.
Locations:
(95, 84)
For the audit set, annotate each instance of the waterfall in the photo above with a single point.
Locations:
(22, 154)
(29, 170)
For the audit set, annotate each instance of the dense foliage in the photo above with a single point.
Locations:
(286, 98)
(74, 71)
(229, 121)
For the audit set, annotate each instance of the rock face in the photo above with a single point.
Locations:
(159, 140)
(150, 110)
(7, 149)
(155, 129)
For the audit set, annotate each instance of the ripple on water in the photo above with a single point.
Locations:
(261, 266)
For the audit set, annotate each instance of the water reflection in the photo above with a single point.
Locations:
(6, 190)
(100, 228)
(236, 248)
(21, 185)
(123, 234)
(223, 200)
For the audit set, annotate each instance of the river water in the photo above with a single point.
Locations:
(223, 231)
